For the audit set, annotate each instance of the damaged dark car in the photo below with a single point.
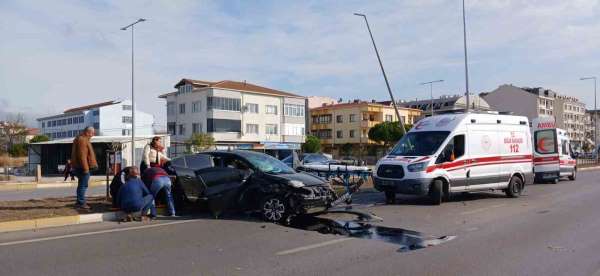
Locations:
(249, 181)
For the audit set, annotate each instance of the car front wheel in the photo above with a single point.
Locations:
(274, 209)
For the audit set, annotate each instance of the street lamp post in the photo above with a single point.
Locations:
(431, 91)
(595, 113)
(384, 75)
(132, 90)
(465, 47)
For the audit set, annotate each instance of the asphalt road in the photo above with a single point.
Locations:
(47, 192)
(550, 230)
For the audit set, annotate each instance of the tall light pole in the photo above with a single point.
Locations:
(466, 64)
(431, 91)
(387, 83)
(595, 113)
(132, 91)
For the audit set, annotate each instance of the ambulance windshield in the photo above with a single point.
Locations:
(419, 143)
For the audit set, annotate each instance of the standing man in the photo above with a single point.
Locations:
(83, 160)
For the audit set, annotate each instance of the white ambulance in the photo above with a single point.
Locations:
(459, 152)
(552, 156)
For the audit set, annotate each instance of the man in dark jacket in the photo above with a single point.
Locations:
(135, 197)
(83, 160)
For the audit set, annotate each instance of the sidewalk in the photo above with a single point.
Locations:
(28, 183)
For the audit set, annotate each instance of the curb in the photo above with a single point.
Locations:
(33, 185)
(41, 223)
(35, 224)
(588, 168)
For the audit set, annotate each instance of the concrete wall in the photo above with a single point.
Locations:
(514, 99)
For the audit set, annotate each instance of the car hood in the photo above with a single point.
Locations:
(307, 179)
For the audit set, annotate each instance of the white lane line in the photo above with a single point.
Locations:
(97, 232)
(312, 246)
(481, 209)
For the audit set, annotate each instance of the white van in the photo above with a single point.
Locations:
(552, 157)
(458, 153)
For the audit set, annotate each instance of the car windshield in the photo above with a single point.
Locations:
(268, 164)
(419, 143)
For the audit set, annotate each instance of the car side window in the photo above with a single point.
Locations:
(453, 150)
(198, 161)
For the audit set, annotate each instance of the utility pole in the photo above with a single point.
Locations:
(132, 90)
(431, 91)
(387, 83)
(466, 63)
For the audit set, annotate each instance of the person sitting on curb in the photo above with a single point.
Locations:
(134, 197)
(157, 179)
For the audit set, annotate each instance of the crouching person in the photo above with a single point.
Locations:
(134, 197)
(157, 179)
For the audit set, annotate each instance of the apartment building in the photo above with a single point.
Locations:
(111, 118)
(592, 117)
(238, 115)
(534, 102)
(349, 123)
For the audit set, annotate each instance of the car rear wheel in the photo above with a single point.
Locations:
(574, 175)
(274, 209)
(515, 187)
(436, 192)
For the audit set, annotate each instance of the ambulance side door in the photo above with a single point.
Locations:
(484, 150)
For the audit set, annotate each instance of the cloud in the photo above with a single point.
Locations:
(61, 54)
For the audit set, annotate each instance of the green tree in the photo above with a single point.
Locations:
(17, 150)
(200, 142)
(386, 133)
(312, 144)
(346, 149)
(39, 138)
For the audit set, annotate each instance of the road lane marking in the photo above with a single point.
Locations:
(97, 232)
(312, 246)
(481, 209)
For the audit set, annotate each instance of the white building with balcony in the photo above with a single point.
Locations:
(111, 118)
(238, 115)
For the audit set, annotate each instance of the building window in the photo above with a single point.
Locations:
(295, 110)
(271, 129)
(339, 119)
(351, 133)
(81, 119)
(70, 121)
(126, 107)
(196, 107)
(170, 108)
(181, 129)
(97, 126)
(339, 134)
(252, 128)
(323, 133)
(252, 108)
(352, 118)
(196, 128)
(388, 118)
(220, 103)
(182, 108)
(322, 119)
(126, 132)
(171, 128)
(96, 112)
(271, 109)
(127, 119)
(223, 125)
(43, 124)
(293, 129)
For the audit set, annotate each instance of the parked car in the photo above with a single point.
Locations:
(249, 181)
(310, 158)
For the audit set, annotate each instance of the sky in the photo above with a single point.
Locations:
(60, 54)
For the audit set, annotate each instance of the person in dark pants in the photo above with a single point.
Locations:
(69, 171)
(135, 197)
(157, 179)
(83, 160)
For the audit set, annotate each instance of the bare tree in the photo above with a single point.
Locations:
(12, 131)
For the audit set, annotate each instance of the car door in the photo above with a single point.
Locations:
(185, 168)
(222, 184)
(453, 160)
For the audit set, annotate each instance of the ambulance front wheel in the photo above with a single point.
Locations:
(390, 197)
(436, 192)
(515, 187)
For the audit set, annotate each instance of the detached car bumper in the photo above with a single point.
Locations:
(403, 186)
